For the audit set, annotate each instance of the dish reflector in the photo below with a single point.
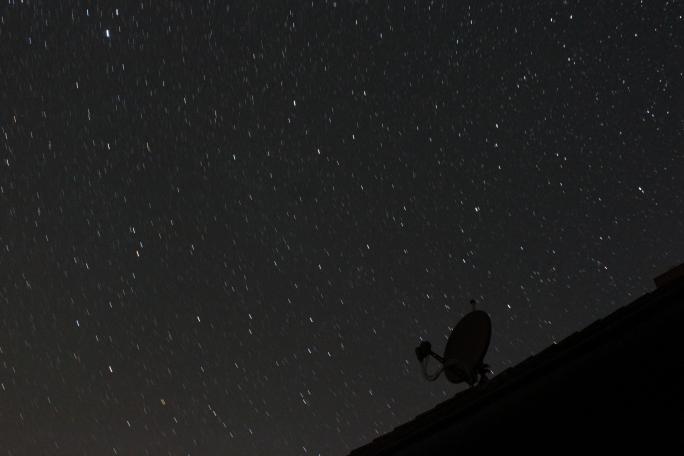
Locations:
(463, 359)
(467, 346)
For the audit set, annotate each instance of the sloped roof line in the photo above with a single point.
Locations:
(572, 348)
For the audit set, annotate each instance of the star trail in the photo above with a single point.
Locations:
(224, 226)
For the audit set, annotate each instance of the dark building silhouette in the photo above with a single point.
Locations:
(617, 384)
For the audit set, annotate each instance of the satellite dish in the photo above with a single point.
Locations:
(463, 359)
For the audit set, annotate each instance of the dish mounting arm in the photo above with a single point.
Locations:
(423, 352)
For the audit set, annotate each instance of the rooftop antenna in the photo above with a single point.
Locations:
(463, 359)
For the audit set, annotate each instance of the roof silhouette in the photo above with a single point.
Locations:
(612, 374)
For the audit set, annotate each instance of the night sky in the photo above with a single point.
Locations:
(224, 227)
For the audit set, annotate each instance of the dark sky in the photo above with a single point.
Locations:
(224, 227)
